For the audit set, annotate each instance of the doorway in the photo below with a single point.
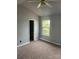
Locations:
(31, 30)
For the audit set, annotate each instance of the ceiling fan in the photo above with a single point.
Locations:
(43, 3)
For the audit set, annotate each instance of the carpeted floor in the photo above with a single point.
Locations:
(39, 50)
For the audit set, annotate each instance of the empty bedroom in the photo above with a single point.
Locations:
(38, 29)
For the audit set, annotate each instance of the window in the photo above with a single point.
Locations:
(45, 27)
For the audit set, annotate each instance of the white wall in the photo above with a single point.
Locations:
(55, 29)
(23, 17)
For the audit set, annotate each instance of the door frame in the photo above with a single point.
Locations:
(29, 28)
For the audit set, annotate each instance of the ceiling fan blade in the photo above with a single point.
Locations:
(39, 5)
(48, 4)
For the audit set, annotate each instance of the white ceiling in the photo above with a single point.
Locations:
(56, 7)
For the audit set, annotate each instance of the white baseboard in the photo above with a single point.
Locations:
(50, 42)
(23, 44)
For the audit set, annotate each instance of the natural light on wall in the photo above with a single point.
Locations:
(46, 27)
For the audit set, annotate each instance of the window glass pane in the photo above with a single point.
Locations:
(46, 27)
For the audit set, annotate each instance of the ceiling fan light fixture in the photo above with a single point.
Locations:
(42, 3)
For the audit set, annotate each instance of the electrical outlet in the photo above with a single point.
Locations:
(20, 41)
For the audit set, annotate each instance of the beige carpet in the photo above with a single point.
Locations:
(39, 50)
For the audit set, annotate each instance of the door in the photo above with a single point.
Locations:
(31, 30)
